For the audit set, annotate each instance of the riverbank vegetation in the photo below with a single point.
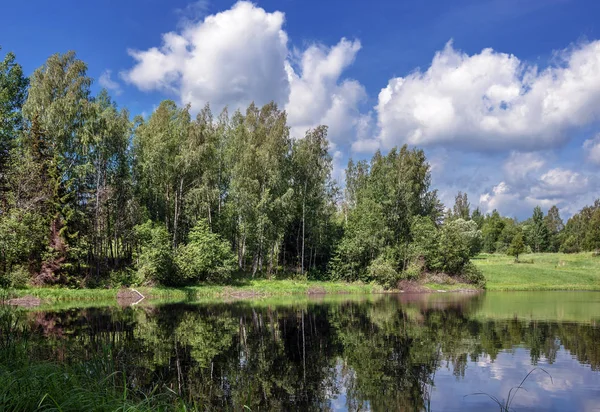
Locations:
(92, 196)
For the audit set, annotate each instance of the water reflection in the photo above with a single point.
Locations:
(402, 352)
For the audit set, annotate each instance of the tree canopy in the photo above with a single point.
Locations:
(89, 193)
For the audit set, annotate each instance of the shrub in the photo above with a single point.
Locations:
(125, 277)
(415, 268)
(454, 248)
(17, 277)
(471, 274)
(154, 258)
(383, 272)
(570, 245)
(206, 257)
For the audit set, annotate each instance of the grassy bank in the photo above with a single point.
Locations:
(240, 289)
(549, 271)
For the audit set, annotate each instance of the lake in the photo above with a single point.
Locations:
(380, 352)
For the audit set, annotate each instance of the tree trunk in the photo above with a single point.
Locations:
(303, 225)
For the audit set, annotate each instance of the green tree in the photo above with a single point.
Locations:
(382, 199)
(580, 232)
(205, 257)
(554, 226)
(517, 246)
(259, 191)
(462, 207)
(109, 187)
(13, 91)
(153, 257)
(506, 236)
(538, 232)
(478, 218)
(314, 191)
(491, 229)
(160, 164)
(56, 113)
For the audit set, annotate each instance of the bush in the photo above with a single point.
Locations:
(154, 258)
(570, 245)
(206, 257)
(125, 277)
(471, 274)
(454, 248)
(383, 272)
(18, 277)
(414, 270)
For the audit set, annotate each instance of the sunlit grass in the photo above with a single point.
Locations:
(549, 271)
(251, 288)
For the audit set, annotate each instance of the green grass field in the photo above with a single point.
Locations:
(549, 271)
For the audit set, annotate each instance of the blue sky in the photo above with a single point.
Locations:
(504, 95)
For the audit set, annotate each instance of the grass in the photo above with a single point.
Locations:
(549, 271)
(97, 384)
(255, 288)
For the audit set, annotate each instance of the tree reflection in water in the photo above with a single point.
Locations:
(379, 354)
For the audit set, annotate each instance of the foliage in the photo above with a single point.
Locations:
(92, 198)
(154, 257)
(462, 207)
(383, 198)
(125, 277)
(537, 232)
(473, 275)
(13, 90)
(382, 271)
(456, 245)
(517, 246)
(206, 257)
(17, 277)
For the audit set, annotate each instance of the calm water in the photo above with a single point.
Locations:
(401, 352)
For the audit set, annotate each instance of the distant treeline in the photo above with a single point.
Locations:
(90, 197)
(539, 233)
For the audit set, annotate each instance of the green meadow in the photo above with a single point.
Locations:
(540, 271)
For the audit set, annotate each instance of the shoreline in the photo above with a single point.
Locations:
(34, 297)
(255, 289)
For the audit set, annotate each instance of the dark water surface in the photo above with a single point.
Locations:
(384, 353)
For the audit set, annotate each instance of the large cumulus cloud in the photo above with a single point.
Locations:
(242, 55)
(492, 100)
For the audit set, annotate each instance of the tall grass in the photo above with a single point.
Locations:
(98, 384)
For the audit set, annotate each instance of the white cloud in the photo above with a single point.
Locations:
(509, 201)
(316, 96)
(560, 183)
(339, 167)
(565, 188)
(108, 83)
(241, 55)
(482, 102)
(520, 166)
(230, 58)
(592, 149)
(492, 100)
